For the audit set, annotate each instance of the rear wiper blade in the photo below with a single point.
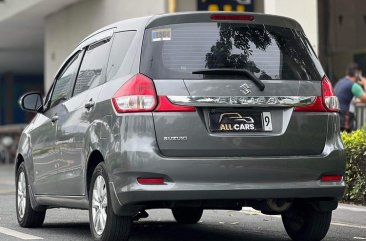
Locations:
(245, 72)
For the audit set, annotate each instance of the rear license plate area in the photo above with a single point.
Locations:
(240, 121)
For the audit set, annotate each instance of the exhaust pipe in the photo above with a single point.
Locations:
(278, 205)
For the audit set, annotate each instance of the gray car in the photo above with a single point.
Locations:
(188, 111)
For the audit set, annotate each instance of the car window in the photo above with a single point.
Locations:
(47, 98)
(65, 81)
(121, 43)
(269, 52)
(92, 69)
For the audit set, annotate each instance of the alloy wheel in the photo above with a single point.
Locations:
(22, 194)
(99, 205)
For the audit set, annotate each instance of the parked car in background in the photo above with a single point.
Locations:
(187, 111)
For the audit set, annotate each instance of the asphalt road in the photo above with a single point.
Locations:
(349, 223)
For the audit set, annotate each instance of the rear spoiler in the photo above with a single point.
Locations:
(199, 17)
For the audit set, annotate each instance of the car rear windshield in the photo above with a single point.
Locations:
(269, 52)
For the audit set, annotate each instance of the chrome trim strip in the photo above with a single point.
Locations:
(263, 101)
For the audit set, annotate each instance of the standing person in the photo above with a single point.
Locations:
(346, 89)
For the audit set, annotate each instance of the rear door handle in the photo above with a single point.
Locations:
(89, 104)
(54, 118)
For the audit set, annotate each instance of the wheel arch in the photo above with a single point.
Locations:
(19, 160)
(94, 159)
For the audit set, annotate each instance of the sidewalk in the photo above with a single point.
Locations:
(352, 207)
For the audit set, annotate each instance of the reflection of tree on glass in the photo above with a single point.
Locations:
(223, 55)
(296, 54)
(237, 43)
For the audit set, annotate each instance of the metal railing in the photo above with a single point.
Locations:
(360, 115)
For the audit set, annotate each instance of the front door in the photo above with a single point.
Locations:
(46, 154)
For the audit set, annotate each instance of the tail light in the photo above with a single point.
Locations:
(151, 181)
(166, 106)
(327, 102)
(336, 178)
(138, 94)
(330, 100)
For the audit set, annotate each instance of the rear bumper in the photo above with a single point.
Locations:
(232, 192)
(227, 179)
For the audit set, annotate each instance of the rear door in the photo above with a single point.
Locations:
(76, 127)
(200, 64)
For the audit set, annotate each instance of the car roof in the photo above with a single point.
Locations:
(124, 25)
(191, 17)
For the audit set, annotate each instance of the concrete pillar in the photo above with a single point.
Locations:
(186, 5)
(305, 12)
(9, 98)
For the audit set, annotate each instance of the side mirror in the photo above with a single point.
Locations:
(31, 102)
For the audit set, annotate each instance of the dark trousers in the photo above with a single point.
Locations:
(347, 121)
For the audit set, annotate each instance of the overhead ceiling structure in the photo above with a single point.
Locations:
(22, 34)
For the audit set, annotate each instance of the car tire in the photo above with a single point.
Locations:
(306, 224)
(27, 217)
(187, 215)
(104, 223)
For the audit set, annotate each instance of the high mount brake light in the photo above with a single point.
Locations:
(223, 17)
(138, 94)
(327, 102)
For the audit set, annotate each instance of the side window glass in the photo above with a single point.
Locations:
(65, 82)
(47, 98)
(92, 68)
(121, 43)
